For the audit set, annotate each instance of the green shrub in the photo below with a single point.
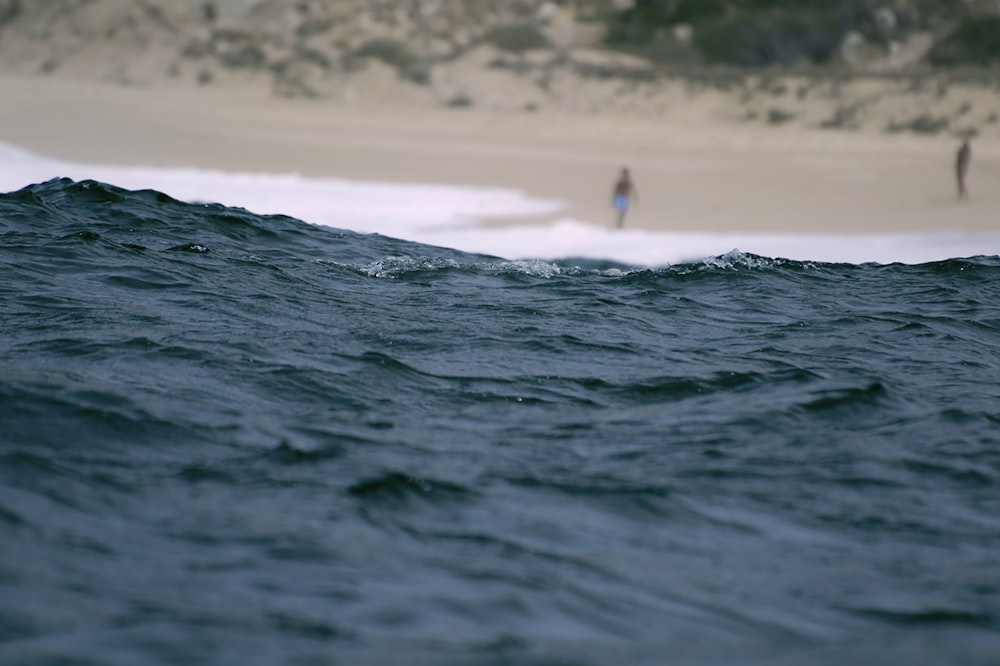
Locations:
(746, 32)
(460, 102)
(649, 19)
(976, 41)
(390, 51)
(665, 49)
(779, 116)
(516, 37)
(770, 38)
(770, 32)
(923, 124)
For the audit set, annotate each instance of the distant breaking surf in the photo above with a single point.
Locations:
(449, 216)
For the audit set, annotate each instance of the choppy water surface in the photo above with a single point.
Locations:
(231, 438)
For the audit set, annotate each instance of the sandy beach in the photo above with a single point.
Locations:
(693, 172)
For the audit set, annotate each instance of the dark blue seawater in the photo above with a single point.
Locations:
(227, 438)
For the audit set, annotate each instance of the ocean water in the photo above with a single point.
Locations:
(231, 437)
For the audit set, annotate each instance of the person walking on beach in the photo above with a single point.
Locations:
(962, 160)
(624, 192)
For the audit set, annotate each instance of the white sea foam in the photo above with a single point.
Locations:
(447, 216)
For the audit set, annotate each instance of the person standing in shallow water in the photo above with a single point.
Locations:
(962, 160)
(624, 192)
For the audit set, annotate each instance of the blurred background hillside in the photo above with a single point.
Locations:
(930, 66)
(865, 35)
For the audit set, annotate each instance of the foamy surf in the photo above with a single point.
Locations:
(449, 216)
